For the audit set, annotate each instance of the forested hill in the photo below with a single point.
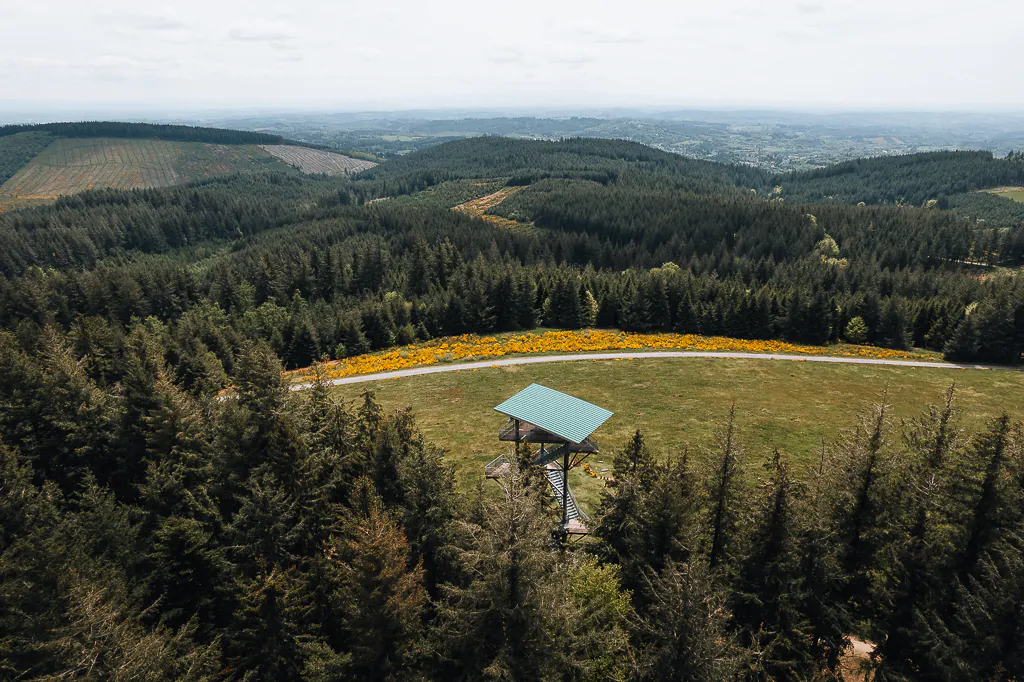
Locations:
(912, 179)
(119, 129)
(950, 179)
(150, 530)
(526, 161)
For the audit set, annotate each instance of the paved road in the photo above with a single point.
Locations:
(626, 355)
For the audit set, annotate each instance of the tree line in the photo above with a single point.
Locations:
(312, 271)
(159, 131)
(907, 178)
(17, 150)
(149, 533)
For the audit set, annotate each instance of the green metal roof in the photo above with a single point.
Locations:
(563, 415)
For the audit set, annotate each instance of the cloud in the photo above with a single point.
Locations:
(247, 35)
(108, 66)
(795, 34)
(608, 39)
(271, 34)
(506, 57)
(143, 22)
(156, 23)
(809, 8)
(573, 59)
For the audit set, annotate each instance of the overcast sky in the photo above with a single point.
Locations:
(864, 54)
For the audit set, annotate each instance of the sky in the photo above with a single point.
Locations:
(345, 56)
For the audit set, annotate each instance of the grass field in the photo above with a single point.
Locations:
(1011, 193)
(317, 161)
(69, 166)
(680, 403)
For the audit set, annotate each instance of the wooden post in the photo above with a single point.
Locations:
(517, 441)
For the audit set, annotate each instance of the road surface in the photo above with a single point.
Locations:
(641, 355)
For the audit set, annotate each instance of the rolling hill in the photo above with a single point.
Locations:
(145, 511)
(38, 164)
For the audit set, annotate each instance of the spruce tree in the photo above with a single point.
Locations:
(864, 490)
(821, 568)
(918, 579)
(685, 629)
(724, 494)
(429, 514)
(974, 631)
(621, 527)
(768, 593)
(499, 624)
(377, 595)
(272, 633)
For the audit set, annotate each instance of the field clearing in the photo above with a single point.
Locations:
(317, 161)
(69, 166)
(1011, 193)
(681, 403)
(478, 207)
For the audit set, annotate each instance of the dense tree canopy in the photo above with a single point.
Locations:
(151, 534)
(909, 179)
(155, 528)
(305, 265)
(18, 149)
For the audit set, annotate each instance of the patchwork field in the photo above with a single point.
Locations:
(69, 166)
(317, 161)
(680, 403)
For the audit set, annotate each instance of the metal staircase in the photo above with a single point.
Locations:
(576, 519)
(573, 514)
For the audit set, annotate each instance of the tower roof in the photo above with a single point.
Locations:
(555, 412)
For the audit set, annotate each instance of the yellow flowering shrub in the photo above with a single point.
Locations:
(473, 347)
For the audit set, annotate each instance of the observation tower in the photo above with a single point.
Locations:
(562, 425)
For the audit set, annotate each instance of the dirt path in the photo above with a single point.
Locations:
(657, 355)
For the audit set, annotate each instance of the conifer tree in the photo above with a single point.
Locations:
(103, 638)
(272, 633)
(266, 435)
(686, 315)
(685, 629)
(429, 514)
(596, 626)
(894, 327)
(145, 363)
(499, 624)
(974, 630)
(179, 473)
(188, 573)
(864, 489)
(56, 415)
(377, 595)
(768, 593)
(621, 526)
(30, 566)
(918, 578)
(670, 515)
(724, 492)
(821, 569)
(330, 462)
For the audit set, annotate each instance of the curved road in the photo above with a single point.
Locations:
(626, 355)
